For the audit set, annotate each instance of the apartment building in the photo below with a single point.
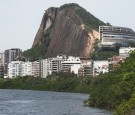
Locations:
(66, 65)
(2, 58)
(51, 65)
(125, 51)
(15, 69)
(35, 68)
(100, 66)
(86, 69)
(1, 64)
(111, 36)
(1, 71)
(11, 55)
(114, 61)
(20, 68)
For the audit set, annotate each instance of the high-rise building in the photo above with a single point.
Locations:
(11, 55)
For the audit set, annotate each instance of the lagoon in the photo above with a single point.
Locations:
(28, 102)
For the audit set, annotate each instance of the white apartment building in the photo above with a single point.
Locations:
(51, 65)
(35, 68)
(66, 65)
(15, 69)
(75, 68)
(45, 68)
(125, 51)
(26, 68)
(20, 68)
(100, 67)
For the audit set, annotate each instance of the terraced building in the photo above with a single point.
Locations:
(111, 36)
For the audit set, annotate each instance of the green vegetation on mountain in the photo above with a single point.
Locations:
(39, 51)
(43, 37)
(35, 53)
(102, 54)
(90, 21)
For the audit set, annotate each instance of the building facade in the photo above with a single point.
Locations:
(1, 71)
(2, 58)
(20, 68)
(51, 65)
(11, 55)
(36, 69)
(115, 61)
(86, 69)
(15, 69)
(114, 35)
(125, 51)
(101, 66)
(66, 65)
(1, 64)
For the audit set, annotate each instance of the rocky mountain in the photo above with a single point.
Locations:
(69, 30)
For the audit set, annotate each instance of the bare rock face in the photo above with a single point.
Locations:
(68, 34)
(47, 20)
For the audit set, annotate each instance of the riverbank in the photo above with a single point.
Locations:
(30, 102)
(116, 89)
(105, 92)
(53, 83)
(113, 90)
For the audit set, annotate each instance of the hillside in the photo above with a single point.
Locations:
(69, 30)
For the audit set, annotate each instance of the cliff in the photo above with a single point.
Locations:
(69, 30)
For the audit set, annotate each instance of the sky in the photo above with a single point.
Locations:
(20, 19)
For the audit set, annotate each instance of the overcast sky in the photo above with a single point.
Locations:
(20, 19)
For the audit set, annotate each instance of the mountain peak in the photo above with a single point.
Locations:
(69, 30)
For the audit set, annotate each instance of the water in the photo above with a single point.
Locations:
(27, 102)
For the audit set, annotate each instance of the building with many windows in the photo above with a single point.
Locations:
(86, 69)
(111, 36)
(100, 66)
(11, 55)
(2, 58)
(125, 51)
(66, 65)
(20, 68)
(1, 64)
(15, 69)
(1, 71)
(36, 69)
(51, 65)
